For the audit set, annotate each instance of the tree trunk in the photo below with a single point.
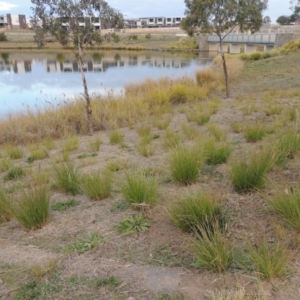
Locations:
(86, 92)
(225, 69)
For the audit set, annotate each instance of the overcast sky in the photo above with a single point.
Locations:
(145, 8)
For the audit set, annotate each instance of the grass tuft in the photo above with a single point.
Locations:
(116, 137)
(95, 144)
(199, 210)
(60, 206)
(216, 153)
(254, 133)
(14, 173)
(185, 164)
(5, 207)
(14, 152)
(33, 209)
(140, 189)
(98, 186)
(67, 178)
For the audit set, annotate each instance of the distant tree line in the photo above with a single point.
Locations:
(294, 17)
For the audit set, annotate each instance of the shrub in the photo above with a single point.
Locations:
(199, 210)
(5, 207)
(185, 163)
(254, 133)
(270, 261)
(216, 153)
(33, 209)
(140, 189)
(97, 186)
(133, 224)
(249, 175)
(14, 173)
(287, 206)
(67, 178)
(212, 251)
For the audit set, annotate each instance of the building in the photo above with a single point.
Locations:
(151, 22)
(13, 21)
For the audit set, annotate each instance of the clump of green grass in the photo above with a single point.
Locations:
(140, 189)
(71, 144)
(199, 117)
(249, 175)
(98, 186)
(199, 210)
(254, 133)
(95, 144)
(115, 165)
(37, 154)
(162, 124)
(219, 134)
(49, 144)
(274, 109)
(63, 205)
(133, 224)
(287, 205)
(5, 207)
(185, 163)
(119, 206)
(86, 155)
(216, 153)
(14, 152)
(179, 93)
(145, 147)
(14, 173)
(212, 251)
(171, 139)
(33, 209)
(143, 130)
(270, 261)
(67, 178)
(116, 137)
(286, 147)
(85, 244)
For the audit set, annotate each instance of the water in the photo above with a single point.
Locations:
(39, 80)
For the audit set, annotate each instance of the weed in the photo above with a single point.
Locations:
(95, 144)
(119, 206)
(71, 144)
(67, 178)
(5, 207)
(14, 152)
(116, 137)
(14, 173)
(254, 133)
(212, 251)
(139, 189)
(98, 186)
(60, 206)
(246, 176)
(185, 164)
(199, 210)
(85, 244)
(111, 282)
(287, 205)
(216, 153)
(133, 224)
(33, 209)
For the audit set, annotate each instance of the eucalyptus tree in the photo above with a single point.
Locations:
(73, 23)
(221, 17)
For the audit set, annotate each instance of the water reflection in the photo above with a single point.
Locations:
(33, 79)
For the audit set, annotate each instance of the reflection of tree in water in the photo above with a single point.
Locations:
(117, 57)
(60, 58)
(97, 56)
(5, 57)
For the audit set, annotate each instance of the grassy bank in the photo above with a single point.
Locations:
(180, 193)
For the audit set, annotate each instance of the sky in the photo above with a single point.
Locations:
(145, 8)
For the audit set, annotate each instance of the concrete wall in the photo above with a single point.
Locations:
(283, 38)
(147, 30)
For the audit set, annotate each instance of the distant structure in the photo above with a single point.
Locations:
(13, 21)
(151, 22)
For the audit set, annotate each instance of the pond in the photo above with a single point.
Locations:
(31, 80)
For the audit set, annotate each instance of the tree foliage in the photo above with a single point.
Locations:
(220, 17)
